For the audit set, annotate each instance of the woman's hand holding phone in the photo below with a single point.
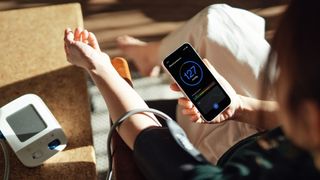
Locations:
(229, 113)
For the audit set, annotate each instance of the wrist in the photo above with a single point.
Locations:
(251, 110)
(243, 107)
(99, 64)
(248, 109)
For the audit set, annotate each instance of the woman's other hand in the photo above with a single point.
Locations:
(190, 110)
(82, 49)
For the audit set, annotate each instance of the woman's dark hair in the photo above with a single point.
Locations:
(296, 53)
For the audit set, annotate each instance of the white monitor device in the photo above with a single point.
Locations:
(31, 130)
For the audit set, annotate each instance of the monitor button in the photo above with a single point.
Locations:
(37, 155)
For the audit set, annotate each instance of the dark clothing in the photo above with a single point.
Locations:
(268, 156)
(169, 106)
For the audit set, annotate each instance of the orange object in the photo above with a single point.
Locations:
(121, 65)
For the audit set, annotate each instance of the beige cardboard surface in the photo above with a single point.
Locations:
(33, 61)
(31, 40)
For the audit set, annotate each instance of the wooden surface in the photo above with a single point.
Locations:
(31, 62)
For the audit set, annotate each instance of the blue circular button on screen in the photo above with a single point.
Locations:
(215, 106)
(191, 73)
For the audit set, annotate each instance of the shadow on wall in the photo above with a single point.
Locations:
(177, 10)
(159, 10)
(159, 18)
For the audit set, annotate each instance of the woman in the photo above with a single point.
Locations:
(274, 156)
(233, 41)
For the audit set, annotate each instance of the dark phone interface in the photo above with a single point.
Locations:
(197, 82)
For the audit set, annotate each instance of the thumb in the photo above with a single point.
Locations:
(174, 87)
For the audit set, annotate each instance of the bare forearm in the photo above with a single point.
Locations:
(82, 49)
(261, 114)
(121, 98)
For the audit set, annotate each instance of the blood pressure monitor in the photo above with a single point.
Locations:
(31, 130)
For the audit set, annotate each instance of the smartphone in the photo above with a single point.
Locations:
(197, 82)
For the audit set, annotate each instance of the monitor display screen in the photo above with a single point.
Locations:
(26, 123)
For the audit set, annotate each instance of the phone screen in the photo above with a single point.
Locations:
(197, 82)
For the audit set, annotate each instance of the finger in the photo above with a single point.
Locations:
(84, 36)
(190, 111)
(93, 42)
(68, 36)
(196, 119)
(66, 48)
(174, 87)
(66, 31)
(221, 117)
(77, 33)
(186, 103)
(217, 120)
